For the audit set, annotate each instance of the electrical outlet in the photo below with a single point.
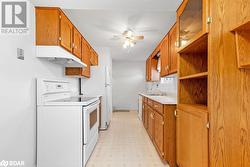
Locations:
(20, 53)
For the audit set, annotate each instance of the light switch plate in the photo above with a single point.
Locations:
(20, 53)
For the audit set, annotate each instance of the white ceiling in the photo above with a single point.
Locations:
(100, 20)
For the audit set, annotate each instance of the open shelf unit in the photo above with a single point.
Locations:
(242, 39)
(193, 73)
(199, 75)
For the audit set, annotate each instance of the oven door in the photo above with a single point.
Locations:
(90, 121)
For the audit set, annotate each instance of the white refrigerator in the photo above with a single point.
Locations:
(108, 94)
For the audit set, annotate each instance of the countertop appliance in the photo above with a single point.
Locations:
(67, 127)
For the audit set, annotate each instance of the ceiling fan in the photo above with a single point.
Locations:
(130, 39)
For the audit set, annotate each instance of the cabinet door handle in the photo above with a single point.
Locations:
(175, 113)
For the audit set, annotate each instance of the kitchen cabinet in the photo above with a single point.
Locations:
(169, 53)
(152, 72)
(192, 138)
(47, 26)
(146, 116)
(159, 133)
(93, 58)
(192, 121)
(173, 50)
(66, 31)
(151, 123)
(148, 71)
(85, 57)
(53, 28)
(159, 121)
(168, 57)
(77, 43)
(192, 20)
(165, 57)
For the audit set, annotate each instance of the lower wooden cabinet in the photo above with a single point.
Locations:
(192, 139)
(159, 121)
(145, 118)
(159, 133)
(151, 123)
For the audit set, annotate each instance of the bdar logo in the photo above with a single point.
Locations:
(14, 14)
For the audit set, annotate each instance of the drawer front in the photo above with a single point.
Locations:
(158, 107)
(150, 103)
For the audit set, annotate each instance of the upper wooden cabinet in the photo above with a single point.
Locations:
(77, 45)
(165, 61)
(53, 28)
(152, 64)
(66, 31)
(93, 58)
(192, 19)
(169, 53)
(86, 58)
(173, 49)
(47, 26)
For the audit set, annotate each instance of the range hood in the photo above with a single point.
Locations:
(59, 55)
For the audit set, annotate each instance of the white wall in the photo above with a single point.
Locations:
(95, 85)
(167, 85)
(18, 95)
(128, 82)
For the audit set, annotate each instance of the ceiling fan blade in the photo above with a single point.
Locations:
(138, 37)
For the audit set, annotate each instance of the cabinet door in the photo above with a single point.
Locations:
(192, 139)
(93, 58)
(172, 49)
(66, 31)
(159, 133)
(151, 123)
(86, 58)
(146, 117)
(165, 57)
(147, 70)
(47, 26)
(77, 39)
(192, 20)
(143, 108)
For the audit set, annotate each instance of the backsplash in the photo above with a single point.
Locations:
(167, 85)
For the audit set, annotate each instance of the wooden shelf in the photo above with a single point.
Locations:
(197, 45)
(243, 27)
(193, 107)
(199, 75)
(242, 39)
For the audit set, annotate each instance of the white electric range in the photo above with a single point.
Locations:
(67, 127)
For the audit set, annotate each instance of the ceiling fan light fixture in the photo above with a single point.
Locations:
(125, 46)
(132, 44)
(129, 33)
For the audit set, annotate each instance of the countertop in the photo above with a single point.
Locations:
(161, 99)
